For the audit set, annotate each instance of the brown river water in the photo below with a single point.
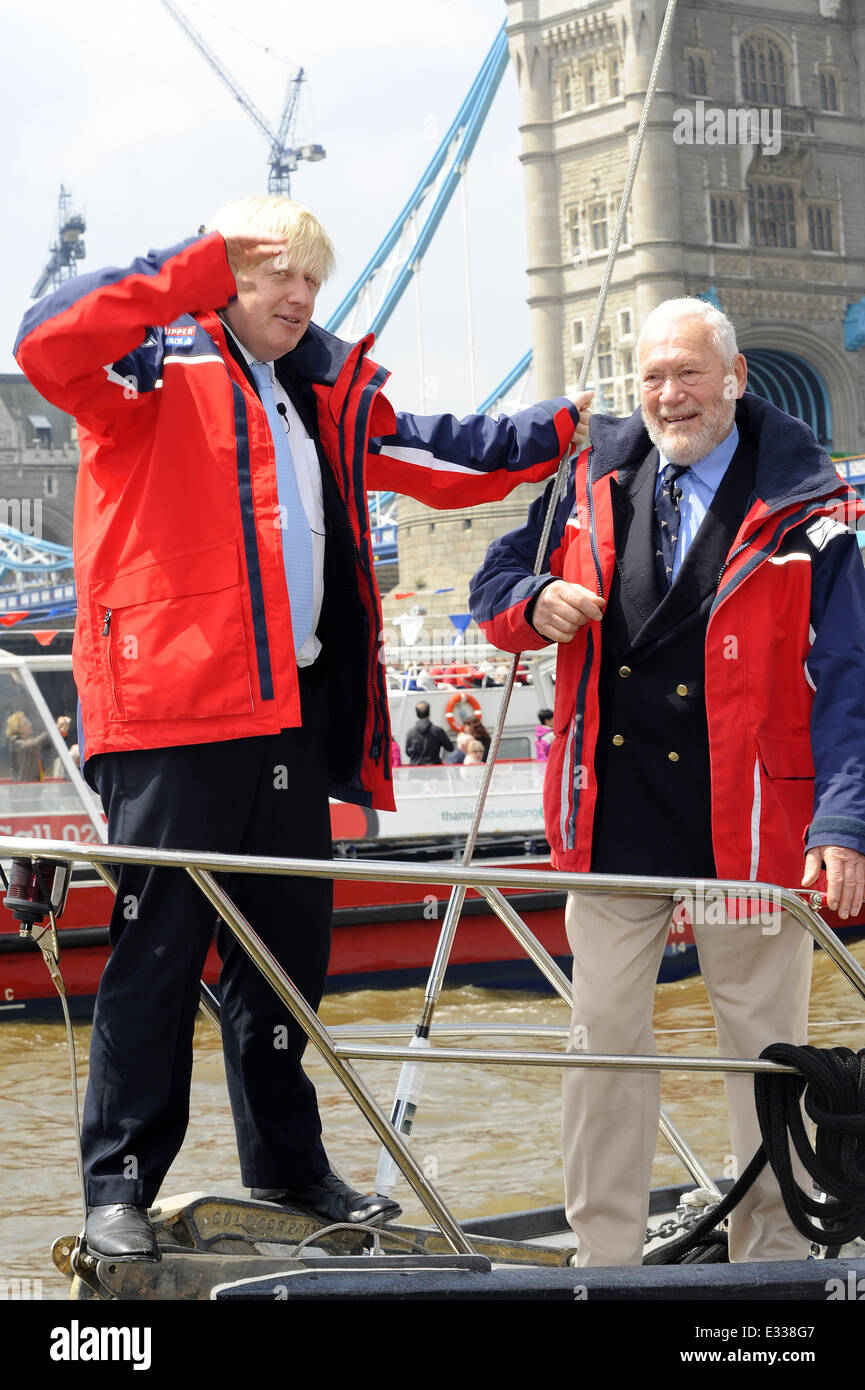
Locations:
(487, 1136)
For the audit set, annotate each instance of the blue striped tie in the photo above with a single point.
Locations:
(296, 542)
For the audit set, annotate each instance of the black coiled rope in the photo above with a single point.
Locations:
(833, 1081)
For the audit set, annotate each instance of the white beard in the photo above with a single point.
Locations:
(689, 448)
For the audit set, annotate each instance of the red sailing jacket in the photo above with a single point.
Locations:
(184, 631)
(785, 651)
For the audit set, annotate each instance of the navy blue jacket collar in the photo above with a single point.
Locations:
(320, 356)
(790, 465)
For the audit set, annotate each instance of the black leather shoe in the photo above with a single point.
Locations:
(120, 1232)
(331, 1200)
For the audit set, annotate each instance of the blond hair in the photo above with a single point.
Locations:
(15, 723)
(307, 245)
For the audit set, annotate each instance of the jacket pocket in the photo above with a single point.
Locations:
(172, 638)
(783, 802)
(786, 758)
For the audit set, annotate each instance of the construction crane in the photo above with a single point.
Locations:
(284, 155)
(66, 250)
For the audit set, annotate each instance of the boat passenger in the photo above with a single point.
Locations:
(474, 753)
(543, 734)
(459, 753)
(425, 741)
(478, 731)
(25, 748)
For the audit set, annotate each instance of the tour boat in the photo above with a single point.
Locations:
(384, 934)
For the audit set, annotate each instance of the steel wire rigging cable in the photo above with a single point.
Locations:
(561, 478)
(409, 1085)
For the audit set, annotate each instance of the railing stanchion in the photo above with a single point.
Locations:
(319, 1036)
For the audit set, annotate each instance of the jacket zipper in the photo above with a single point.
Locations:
(112, 674)
(377, 739)
(379, 696)
(729, 560)
(592, 537)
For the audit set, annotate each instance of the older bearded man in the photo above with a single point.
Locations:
(711, 607)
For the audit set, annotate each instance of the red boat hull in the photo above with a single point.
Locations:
(384, 936)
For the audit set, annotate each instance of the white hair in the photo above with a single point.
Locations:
(722, 331)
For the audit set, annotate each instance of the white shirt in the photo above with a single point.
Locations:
(308, 474)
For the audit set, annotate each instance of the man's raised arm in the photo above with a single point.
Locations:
(75, 345)
(445, 462)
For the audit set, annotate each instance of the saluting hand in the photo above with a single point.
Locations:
(246, 251)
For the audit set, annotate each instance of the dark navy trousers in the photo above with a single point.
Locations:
(246, 796)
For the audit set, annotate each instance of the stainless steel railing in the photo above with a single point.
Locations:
(487, 880)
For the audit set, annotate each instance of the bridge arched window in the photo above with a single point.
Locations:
(565, 99)
(575, 248)
(629, 386)
(820, 230)
(724, 221)
(598, 226)
(772, 214)
(763, 71)
(605, 355)
(696, 75)
(614, 76)
(590, 84)
(829, 83)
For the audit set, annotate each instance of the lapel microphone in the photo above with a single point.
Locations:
(283, 414)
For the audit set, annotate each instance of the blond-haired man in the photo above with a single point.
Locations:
(226, 657)
(709, 600)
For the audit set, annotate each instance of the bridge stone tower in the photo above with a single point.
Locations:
(771, 229)
(767, 220)
(38, 461)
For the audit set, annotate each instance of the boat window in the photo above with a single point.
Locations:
(515, 746)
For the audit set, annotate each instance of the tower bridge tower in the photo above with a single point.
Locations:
(749, 192)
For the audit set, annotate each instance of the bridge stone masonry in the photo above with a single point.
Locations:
(774, 234)
(442, 550)
(38, 463)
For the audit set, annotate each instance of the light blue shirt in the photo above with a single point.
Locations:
(308, 475)
(699, 485)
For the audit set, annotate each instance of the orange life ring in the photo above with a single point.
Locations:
(461, 697)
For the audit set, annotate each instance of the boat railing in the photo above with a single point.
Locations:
(489, 881)
(522, 775)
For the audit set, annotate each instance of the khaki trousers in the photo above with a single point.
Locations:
(758, 981)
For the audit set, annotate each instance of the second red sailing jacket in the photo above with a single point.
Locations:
(784, 651)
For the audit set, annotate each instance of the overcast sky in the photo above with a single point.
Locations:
(112, 100)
